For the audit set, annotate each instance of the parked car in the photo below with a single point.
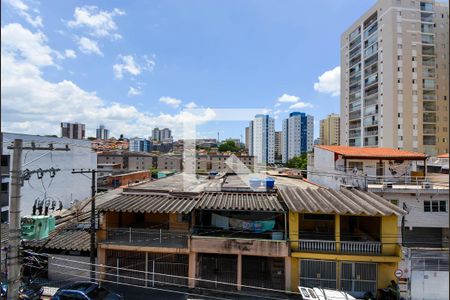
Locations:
(323, 294)
(31, 291)
(85, 290)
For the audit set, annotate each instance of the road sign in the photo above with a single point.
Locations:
(398, 273)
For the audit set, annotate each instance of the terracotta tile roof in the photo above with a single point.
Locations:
(387, 153)
(445, 155)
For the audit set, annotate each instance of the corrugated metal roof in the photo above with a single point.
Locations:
(345, 201)
(69, 240)
(368, 152)
(146, 203)
(240, 201)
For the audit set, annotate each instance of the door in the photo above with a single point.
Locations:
(358, 278)
(215, 269)
(380, 170)
(318, 273)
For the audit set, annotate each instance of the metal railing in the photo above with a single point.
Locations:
(368, 247)
(147, 237)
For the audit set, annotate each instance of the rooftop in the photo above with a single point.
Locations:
(244, 201)
(445, 155)
(373, 153)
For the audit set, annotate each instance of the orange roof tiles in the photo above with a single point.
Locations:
(445, 155)
(387, 153)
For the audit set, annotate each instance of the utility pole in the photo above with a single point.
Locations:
(17, 178)
(13, 265)
(93, 191)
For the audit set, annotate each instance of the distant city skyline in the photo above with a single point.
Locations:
(90, 64)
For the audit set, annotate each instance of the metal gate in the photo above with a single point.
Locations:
(216, 269)
(265, 272)
(358, 278)
(318, 273)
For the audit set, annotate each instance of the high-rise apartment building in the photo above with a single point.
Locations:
(330, 130)
(102, 133)
(247, 137)
(278, 141)
(161, 135)
(298, 135)
(73, 130)
(262, 139)
(394, 77)
(139, 145)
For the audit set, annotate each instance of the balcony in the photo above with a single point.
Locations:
(426, 17)
(146, 237)
(426, 6)
(344, 247)
(354, 134)
(427, 39)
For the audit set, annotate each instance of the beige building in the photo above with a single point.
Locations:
(330, 130)
(170, 162)
(394, 77)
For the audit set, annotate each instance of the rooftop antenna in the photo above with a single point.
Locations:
(218, 139)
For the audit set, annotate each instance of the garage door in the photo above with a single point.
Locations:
(318, 273)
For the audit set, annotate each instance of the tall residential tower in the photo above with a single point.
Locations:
(394, 77)
(330, 130)
(298, 135)
(262, 139)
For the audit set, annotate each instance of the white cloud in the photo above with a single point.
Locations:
(23, 11)
(88, 46)
(285, 98)
(22, 43)
(129, 64)
(301, 105)
(191, 105)
(99, 23)
(329, 82)
(33, 105)
(170, 101)
(69, 53)
(134, 91)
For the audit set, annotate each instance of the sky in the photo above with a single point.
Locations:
(135, 65)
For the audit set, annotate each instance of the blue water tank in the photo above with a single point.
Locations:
(270, 183)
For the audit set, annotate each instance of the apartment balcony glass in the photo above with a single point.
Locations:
(353, 52)
(354, 134)
(429, 95)
(370, 121)
(428, 50)
(371, 80)
(372, 39)
(371, 60)
(355, 96)
(355, 142)
(426, 17)
(371, 50)
(429, 140)
(370, 131)
(428, 84)
(355, 43)
(355, 79)
(355, 33)
(429, 106)
(371, 141)
(428, 72)
(355, 60)
(370, 20)
(371, 100)
(429, 129)
(371, 110)
(354, 88)
(369, 91)
(355, 115)
(370, 70)
(426, 28)
(426, 6)
(428, 61)
(370, 30)
(355, 69)
(427, 39)
(354, 106)
(355, 125)
(429, 117)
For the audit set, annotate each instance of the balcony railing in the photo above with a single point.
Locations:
(345, 246)
(147, 237)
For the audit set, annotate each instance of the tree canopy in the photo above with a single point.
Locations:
(298, 162)
(228, 146)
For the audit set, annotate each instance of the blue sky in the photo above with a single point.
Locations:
(133, 65)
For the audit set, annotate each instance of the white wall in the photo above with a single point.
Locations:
(429, 285)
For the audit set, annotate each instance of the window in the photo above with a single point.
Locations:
(355, 164)
(435, 206)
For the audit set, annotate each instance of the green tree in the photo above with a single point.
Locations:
(228, 146)
(154, 172)
(298, 162)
